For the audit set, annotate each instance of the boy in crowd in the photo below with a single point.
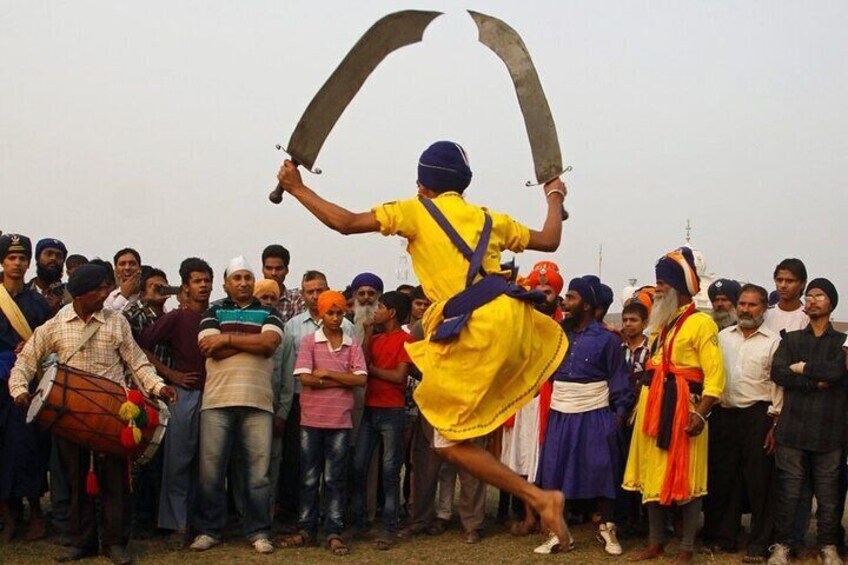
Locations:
(385, 412)
(330, 364)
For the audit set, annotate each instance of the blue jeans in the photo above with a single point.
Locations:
(323, 450)
(178, 499)
(385, 423)
(220, 428)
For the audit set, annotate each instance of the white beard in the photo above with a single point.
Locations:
(724, 319)
(663, 311)
(361, 313)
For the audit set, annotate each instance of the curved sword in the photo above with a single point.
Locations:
(387, 35)
(538, 121)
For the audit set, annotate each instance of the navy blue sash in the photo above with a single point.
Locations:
(7, 361)
(458, 309)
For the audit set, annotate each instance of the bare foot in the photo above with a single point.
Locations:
(650, 552)
(36, 530)
(683, 557)
(550, 511)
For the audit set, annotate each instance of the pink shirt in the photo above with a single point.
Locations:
(328, 408)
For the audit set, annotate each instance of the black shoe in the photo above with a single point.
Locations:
(120, 555)
(76, 554)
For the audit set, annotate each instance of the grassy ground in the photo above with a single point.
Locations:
(497, 547)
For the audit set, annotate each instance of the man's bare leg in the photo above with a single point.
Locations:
(549, 504)
(37, 528)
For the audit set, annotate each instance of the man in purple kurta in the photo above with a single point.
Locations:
(590, 401)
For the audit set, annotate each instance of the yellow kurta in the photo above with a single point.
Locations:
(506, 350)
(696, 345)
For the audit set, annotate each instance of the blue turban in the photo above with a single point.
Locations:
(50, 243)
(15, 243)
(86, 278)
(589, 289)
(677, 269)
(725, 287)
(443, 167)
(367, 279)
(605, 297)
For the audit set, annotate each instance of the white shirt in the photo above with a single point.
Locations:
(777, 319)
(747, 367)
(116, 301)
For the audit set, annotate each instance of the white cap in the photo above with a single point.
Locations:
(238, 264)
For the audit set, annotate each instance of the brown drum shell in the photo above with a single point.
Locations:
(83, 409)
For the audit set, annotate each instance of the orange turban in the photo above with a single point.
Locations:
(545, 275)
(328, 299)
(265, 286)
(644, 296)
(549, 265)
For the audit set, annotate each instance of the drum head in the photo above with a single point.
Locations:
(41, 393)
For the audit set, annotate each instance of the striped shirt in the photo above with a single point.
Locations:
(328, 408)
(245, 378)
(105, 354)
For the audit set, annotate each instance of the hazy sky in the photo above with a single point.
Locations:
(152, 124)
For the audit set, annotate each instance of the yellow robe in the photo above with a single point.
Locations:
(506, 350)
(696, 345)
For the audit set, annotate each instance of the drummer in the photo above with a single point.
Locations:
(85, 336)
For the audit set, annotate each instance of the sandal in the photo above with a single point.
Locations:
(337, 545)
(300, 539)
(383, 543)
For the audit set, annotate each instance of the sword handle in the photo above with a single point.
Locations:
(529, 183)
(276, 195)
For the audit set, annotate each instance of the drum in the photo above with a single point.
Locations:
(83, 408)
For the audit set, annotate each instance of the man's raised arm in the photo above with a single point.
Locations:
(549, 238)
(331, 215)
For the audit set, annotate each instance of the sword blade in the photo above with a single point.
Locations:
(538, 120)
(387, 35)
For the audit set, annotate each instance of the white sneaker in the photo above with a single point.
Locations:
(263, 545)
(828, 555)
(552, 545)
(607, 536)
(779, 554)
(204, 542)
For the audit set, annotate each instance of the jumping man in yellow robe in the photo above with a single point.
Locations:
(486, 350)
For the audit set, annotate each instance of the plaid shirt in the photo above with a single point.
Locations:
(812, 419)
(105, 354)
(141, 316)
(57, 288)
(291, 304)
(637, 360)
